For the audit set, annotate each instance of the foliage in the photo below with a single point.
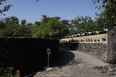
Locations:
(38, 23)
(2, 25)
(45, 19)
(66, 22)
(109, 7)
(12, 20)
(52, 29)
(23, 22)
(6, 8)
(8, 31)
(16, 30)
(86, 24)
(7, 72)
(58, 18)
(22, 30)
(29, 24)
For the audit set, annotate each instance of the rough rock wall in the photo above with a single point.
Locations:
(99, 49)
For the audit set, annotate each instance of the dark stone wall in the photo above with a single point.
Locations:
(99, 49)
(111, 44)
(27, 54)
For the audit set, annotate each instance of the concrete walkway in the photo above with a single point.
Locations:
(78, 64)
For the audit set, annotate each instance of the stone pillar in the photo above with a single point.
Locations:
(111, 51)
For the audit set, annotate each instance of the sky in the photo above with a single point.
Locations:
(66, 9)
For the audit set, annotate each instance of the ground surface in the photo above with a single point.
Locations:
(78, 64)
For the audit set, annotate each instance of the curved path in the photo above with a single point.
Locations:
(78, 64)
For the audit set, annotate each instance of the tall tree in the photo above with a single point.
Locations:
(57, 17)
(45, 19)
(66, 22)
(52, 29)
(38, 23)
(2, 25)
(14, 19)
(22, 30)
(8, 21)
(8, 31)
(23, 22)
(29, 24)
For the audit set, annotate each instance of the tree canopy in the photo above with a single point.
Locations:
(55, 27)
(23, 22)
(52, 29)
(109, 7)
(48, 27)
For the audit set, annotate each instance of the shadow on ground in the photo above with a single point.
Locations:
(65, 57)
(110, 69)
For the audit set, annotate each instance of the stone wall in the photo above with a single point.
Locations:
(103, 45)
(99, 49)
(101, 38)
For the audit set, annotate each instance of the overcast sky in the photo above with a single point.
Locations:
(66, 9)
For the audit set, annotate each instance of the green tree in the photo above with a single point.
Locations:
(75, 25)
(66, 22)
(29, 24)
(8, 21)
(8, 31)
(22, 30)
(23, 22)
(16, 30)
(2, 25)
(14, 19)
(109, 7)
(38, 23)
(45, 19)
(52, 29)
(58, 18)
(86, 24)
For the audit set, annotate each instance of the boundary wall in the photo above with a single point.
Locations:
(103, 45)
(94, 44)
(27, 54)
(102, 38)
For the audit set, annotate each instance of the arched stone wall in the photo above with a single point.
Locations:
(93, 39)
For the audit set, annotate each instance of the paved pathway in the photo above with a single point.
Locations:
(78, 64)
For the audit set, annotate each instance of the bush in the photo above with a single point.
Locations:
(7, 72)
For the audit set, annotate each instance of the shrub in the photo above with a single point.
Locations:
(7, 72)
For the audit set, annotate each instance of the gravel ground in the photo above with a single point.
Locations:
(78, 64)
